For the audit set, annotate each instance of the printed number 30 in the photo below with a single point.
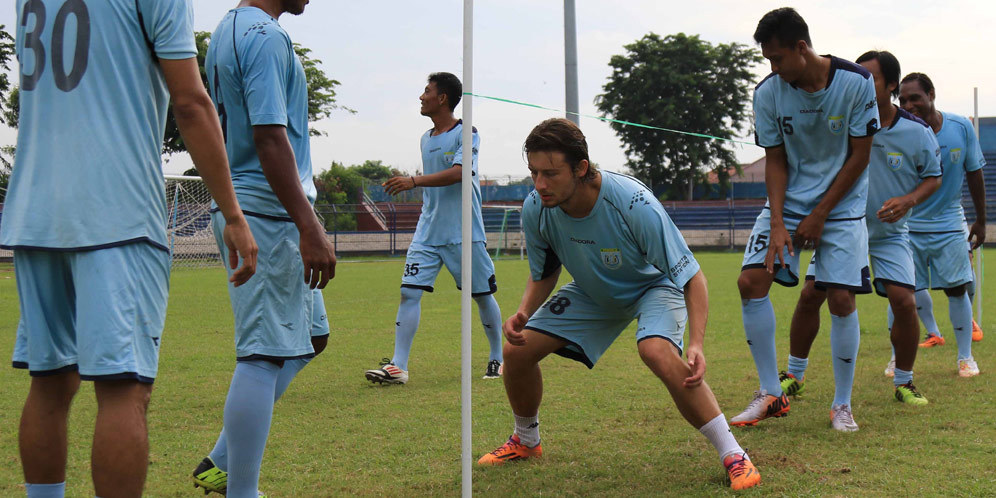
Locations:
(33, 42)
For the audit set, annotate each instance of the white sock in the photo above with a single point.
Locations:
(527, 428)
(718, 433)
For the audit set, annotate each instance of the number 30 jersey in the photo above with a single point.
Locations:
(93, 102)
(814, 128)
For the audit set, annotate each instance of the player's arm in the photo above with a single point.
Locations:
(198, 123)
(895, 208)
(977, 188)
(536, 293)
(444, 178)
(697, 306)
(776, 182)
(276, 156)
(811, 227)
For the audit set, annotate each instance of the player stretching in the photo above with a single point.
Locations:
(86, 218)
(260, 91)
(904, 170)
(437, 235)
(815, 116)
(628, 261)
(937, 227)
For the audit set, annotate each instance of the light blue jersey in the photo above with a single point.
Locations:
(93, 103)
(814, 128)
(902, 156)
(256, 79)
(625, 246)
(440, 221)
(960, 153)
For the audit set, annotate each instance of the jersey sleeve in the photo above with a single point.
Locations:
(543, 262)
(767, 132)
(928, 163)
(661, 241)
(865, 121)
(458, 156)
(169, 25)
(265, 76)
(974, 161)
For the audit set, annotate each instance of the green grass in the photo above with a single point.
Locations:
(609, 431)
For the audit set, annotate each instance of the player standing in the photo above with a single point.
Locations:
(92, 267)
(437, 240)
(815, 116)
(937, 227)
(628, 261)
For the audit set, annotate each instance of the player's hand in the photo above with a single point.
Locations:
(318, 256)
(398, 184)
(978, 233)
(241, 244)
(894, 209)
(809, 231)
(512, 328)
(779, 239)
(697, 364)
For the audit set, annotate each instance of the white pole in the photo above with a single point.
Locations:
(466, 262)
(571, 61)
(978, 254)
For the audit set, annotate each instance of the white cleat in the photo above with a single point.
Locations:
(968, 367)
(890, 369)
(842, 420)
(388, 373)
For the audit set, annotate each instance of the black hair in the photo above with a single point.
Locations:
(889, 65)
(784, 25)
(449, 85)
(925, 83)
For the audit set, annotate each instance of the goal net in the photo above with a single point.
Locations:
(188, 223)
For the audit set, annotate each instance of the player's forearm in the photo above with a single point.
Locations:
(198, 123)
(280, 169)
(853, 167)
(776, 182)
(925, 189)
(697, 306)
(443, 178)
(977, 187)
(536, 293)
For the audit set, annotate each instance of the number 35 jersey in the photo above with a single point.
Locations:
(93, 102)
(814, 128)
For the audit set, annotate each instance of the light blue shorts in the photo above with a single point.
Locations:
(99, 312)
(590, 328)
(840, 261)
(422, 265)
(892, 262)
(319, 318)
(274, 309)
(941, 259)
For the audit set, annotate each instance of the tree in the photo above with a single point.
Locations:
(375, 171)
(8, 106)
(679, 82)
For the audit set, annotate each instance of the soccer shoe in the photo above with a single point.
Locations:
(842, 420)
(742, 472)
(976, 332)
(890, 369)
(208, 476)
(510, 451)
(494, 370)
(761, 407)
(932, 340)
(388, 373)
(968, 367)
(908, 394)
(790, 385)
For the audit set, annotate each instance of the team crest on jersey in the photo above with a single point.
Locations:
(836, 124)
(448, 157)
(955, 155)
(611, 258)
(895, 160)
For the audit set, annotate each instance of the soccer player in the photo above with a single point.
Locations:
(628, 261)
(815, 116)
(260, 91)
(937, 227)
(903, 172)
(437, 240)
(86, 217)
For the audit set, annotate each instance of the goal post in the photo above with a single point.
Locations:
(188, 223)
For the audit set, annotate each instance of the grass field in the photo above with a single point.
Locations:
(609, 431)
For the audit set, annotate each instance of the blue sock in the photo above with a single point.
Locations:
(797, 367)
(248, 412)
(759, 327)
(925, 309)
(902, 377)
(960, 310)
(845, 335)
(46, 490)
(219, 455)
(490, 315)
(406, 325)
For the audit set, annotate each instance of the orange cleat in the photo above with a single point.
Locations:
(976, 332)
(512, 450)
(742, 472)
(932, 340)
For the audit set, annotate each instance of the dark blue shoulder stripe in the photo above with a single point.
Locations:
(766, 78)
(903, 114)
(846, 65)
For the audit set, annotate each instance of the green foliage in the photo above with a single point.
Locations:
(172, 141)
(9, 108)
(684, 83)
(375, 171)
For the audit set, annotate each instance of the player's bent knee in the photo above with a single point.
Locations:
(903, 304)
(751, 285)
(662, 357)
(956, 291)
(811, 298)
(841, 302)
